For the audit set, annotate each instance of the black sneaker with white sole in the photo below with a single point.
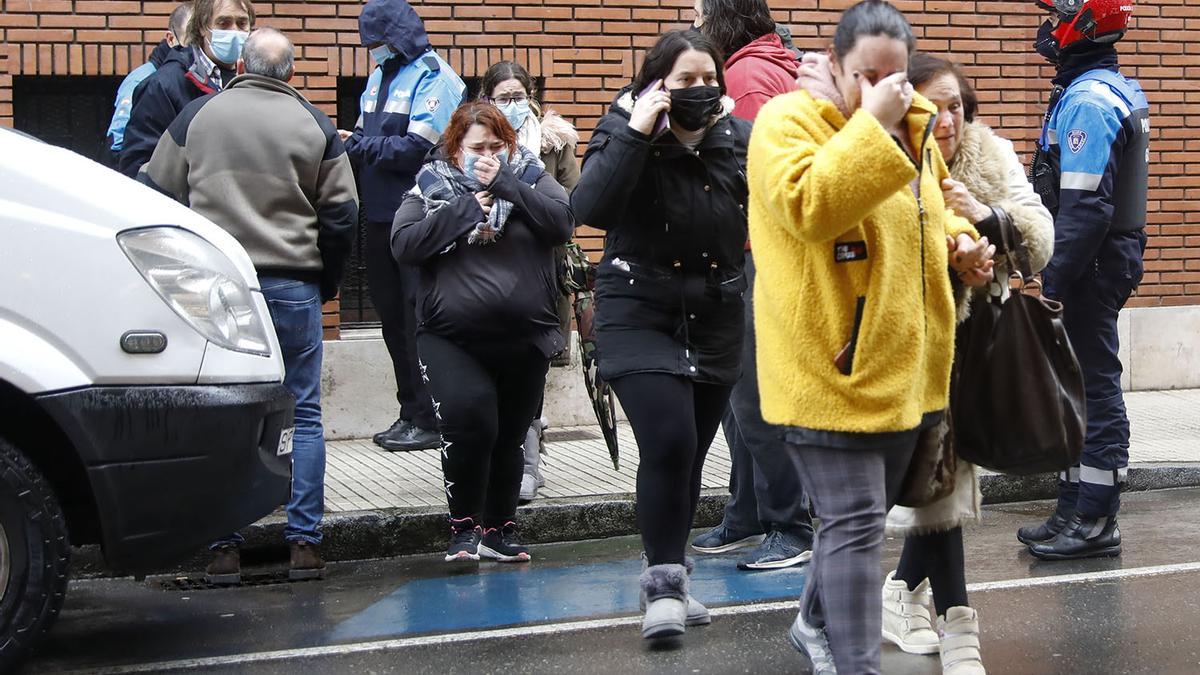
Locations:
(779, 549)
(503, 545)
(464, 541)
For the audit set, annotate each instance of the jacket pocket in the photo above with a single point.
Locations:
(845, 358)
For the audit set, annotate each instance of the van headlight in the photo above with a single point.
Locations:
(200, 284)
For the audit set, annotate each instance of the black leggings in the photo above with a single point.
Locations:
(674, 421)
(937, 556)
(483, 402)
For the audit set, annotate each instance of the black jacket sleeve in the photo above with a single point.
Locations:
(153, 111)
(417, 238)
(544, 207)
(612, 167)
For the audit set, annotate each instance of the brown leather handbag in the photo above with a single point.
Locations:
(1018, 399)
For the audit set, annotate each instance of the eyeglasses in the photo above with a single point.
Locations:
(505, 100)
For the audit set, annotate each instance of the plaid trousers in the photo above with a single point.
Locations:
(851, 491)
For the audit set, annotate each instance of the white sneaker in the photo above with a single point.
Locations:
(960, 642)
(906, 620)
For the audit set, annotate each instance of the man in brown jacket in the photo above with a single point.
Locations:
(261, 162)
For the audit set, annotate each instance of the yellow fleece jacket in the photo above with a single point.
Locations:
(849, 262)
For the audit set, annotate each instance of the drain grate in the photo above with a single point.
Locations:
(201, 584)
(570, 435)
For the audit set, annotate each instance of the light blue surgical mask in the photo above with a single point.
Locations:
(470, 159)
(382, 53)
(516, 112)
(227, 45)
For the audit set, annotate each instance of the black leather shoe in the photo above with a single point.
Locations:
(1082, 538)
(1036, 534)
(393, 431)
(412, 438)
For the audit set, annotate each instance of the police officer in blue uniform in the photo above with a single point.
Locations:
(408, 102)
(1091, 169)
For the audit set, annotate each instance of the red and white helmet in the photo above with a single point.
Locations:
(1098, 21)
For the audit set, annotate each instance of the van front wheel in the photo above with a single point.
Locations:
(34, 556)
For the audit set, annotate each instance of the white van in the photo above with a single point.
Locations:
(141, 397)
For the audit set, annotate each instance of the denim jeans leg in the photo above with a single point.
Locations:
(296, 312)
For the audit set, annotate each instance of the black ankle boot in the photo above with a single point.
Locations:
(1082, 538)
(1037, 534)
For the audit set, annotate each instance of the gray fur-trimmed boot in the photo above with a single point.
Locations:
(697, 614)
(665, 588)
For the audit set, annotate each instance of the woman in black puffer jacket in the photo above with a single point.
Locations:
(664, 177)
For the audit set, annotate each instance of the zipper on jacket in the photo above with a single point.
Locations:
(845, 360)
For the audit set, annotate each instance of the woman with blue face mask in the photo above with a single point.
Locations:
(508, 86)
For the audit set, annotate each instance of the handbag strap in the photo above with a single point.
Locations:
(1014, 244)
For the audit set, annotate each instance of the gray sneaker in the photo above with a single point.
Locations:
(721, 539)
(812, 643)
(779, 549)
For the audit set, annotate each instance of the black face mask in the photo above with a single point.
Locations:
(693, 107)
(1046, 45)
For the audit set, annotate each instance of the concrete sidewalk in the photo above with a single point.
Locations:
(363, 477)
(384, 504)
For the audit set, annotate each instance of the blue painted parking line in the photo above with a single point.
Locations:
(531, 594)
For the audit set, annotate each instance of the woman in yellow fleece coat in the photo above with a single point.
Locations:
(856, 311)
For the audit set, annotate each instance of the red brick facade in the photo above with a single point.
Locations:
(587, 49)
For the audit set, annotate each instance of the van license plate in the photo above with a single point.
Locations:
(285, 442)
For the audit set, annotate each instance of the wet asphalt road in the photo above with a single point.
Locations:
(574, 609)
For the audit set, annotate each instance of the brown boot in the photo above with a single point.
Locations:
(306, 562)
(226, 566)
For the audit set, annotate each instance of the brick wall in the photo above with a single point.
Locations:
(587, 49)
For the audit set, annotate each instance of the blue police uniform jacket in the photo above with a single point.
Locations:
(404, 110)
(1096, 147)
(124, 104)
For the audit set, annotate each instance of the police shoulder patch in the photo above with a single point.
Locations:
(433, 103)
(1076, 139)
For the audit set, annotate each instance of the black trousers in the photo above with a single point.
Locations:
(764, 484)
(484, 399)
(393, 292)
(674, 421)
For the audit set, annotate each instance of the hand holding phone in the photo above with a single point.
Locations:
(650, 109)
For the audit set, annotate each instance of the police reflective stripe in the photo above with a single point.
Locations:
(368, 106)
(1094, 476)
(359, 123)
(424, 131)
(1071, 475)
(1052, 136)
(1103, 90)
(398, 105)
(1073, 180)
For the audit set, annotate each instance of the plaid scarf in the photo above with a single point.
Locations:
(440, 182)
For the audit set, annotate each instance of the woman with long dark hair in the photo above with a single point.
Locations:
(758, 65)
(856, 316)
(481, 228)
(664, 177)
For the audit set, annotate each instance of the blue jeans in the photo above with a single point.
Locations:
(295, 308)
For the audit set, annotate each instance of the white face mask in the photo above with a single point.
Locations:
(227, 45)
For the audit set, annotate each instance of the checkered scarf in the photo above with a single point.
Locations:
(440, 182)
